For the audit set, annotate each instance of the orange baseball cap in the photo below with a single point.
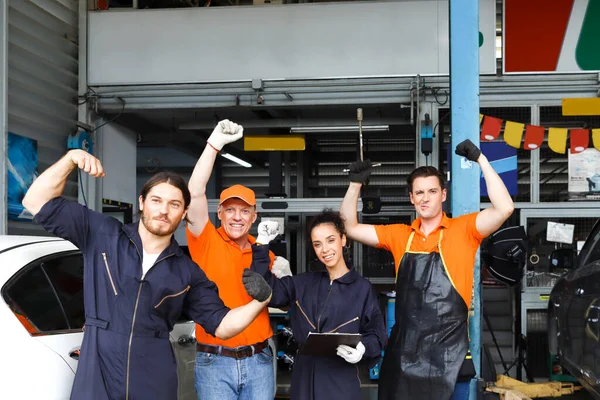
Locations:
(239, 191)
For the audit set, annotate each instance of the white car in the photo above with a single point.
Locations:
(41, 320)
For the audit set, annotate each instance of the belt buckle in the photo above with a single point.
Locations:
(240, 352)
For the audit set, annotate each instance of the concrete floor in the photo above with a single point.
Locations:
(582, 395)
(369, 392)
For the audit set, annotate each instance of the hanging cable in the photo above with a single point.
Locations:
(435, 91)
(113, 118)
(81, 186)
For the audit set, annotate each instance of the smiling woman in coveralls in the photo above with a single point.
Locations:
(335, 300)
(137, 283)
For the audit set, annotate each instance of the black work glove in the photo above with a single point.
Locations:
(467, 149)
(255, 285)
(360, 171)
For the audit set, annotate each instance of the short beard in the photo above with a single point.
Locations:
(147, 221)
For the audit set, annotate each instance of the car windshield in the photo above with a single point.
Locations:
(591, 250)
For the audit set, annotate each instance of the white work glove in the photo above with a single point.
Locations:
(267, 231)
(281, 267)
(224, 133)
(350, 354)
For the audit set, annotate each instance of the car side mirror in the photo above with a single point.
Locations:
(562, 258)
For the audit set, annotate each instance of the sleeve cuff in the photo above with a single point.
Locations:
(217, 318)
(371, 350)
(260, 252)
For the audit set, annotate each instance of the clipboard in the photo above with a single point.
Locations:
(325, 344)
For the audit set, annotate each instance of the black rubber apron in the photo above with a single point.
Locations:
(429, 341)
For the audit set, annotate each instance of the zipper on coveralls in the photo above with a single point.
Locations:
(109, 274)
(305, 316)
(324, 306)
(344, 324)
(172, 295)
(137, 300)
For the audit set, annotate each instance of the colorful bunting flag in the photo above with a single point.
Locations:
(491, 128)
(534, 136)
(580, 140)
(513, 134)
(596, 138)
(557, 139)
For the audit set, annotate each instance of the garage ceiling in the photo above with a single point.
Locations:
(185, 131)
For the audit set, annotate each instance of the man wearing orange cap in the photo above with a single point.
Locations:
(240, 367)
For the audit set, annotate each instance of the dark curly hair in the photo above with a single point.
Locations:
(327, 216)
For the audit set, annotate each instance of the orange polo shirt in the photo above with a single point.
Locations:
(459, 246)
(224, 262)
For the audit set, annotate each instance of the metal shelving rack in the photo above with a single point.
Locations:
(539, 277)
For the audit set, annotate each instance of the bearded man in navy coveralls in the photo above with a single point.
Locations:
(137, 283)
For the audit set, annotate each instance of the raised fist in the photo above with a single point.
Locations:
(360, 171)
(281, 267)
(256, 286)
(224, 133)
(267, 231)
(467, 149)
(87, 163)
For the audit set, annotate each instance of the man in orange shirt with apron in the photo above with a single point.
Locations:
(434, 258)
(240, 367)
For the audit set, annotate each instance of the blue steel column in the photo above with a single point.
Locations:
(3, 115)
(464, 109)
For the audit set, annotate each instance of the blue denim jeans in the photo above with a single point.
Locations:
(224, 378)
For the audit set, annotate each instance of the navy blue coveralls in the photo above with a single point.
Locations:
(126, 353)
(347, 304)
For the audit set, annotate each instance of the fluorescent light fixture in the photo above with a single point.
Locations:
(236, 160)
(345, 128)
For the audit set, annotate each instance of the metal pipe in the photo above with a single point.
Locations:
(412, 105)
(359, 117)
(568, 81)
(534, 160)
(464, 110)
(3, 113)
(418, 124)
(290, 123)
(418, 95)
(372, 165)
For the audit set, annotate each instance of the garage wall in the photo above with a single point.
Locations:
(295, 41)
(119, 162)
(42, 81)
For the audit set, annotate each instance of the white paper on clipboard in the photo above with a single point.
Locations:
(561, 233)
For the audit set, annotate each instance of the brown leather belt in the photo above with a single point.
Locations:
(239, 353)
